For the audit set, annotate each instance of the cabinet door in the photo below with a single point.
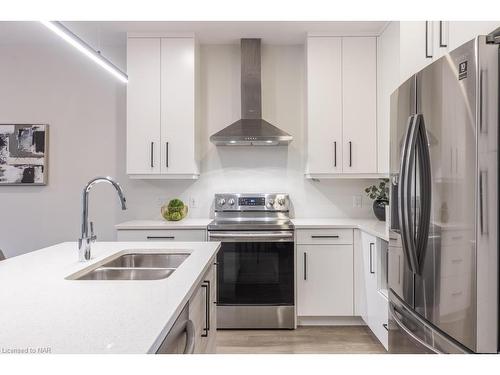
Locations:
(376, 303)
(360, 296)
(202, 311)
(178, 106)
(416, 47)
(461, 32)
(369, 274)
(440, 33)
(324, 105)
(379, 319)
(197, 314)
(359, 105)
(143, 106)
(325, 280)
(212, 310)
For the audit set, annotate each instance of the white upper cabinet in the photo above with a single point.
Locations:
(143, 106)
(161, 121)
(422, 42)
(324, 102)
(178, 106)
(341, 106)
(461, 32)
(416, 47)
(359, 104)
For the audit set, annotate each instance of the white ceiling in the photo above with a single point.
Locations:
(208, 32)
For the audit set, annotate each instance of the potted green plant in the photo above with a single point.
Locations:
(175, 210)
(380, 195)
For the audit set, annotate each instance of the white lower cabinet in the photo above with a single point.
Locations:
(325, 280)
(325, 285)
(370, 303)
(202, 312)
(162, 235)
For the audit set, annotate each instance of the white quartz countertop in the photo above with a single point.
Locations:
(374, 227)
(186, 223)
(41, 309)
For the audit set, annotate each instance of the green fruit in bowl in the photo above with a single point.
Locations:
(175, 210)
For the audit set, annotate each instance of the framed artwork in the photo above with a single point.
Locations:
(23, 154)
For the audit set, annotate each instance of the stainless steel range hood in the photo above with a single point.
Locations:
(252, 129)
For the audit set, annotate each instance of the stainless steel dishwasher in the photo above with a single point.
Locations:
(180, 338)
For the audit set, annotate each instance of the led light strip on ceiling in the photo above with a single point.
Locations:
(66, 34)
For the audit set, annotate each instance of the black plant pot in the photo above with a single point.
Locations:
(379, 208)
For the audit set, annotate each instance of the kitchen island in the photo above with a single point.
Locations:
(44, 312)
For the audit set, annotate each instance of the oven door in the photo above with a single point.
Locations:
(255, 268)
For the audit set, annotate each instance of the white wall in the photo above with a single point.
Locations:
(387, 82)
(250, 169)
(85, 107)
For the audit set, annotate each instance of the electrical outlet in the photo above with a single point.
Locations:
(193, 202)
(357, 201)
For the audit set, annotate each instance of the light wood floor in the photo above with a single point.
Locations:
(306, 340)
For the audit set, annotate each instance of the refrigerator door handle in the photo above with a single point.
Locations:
(393, 311)
(424, 162)
(483, 211)
(404, 195)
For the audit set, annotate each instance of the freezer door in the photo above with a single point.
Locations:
(410, 334)
(403, 107)
(445, 283)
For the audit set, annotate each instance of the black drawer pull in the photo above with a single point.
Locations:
(325, 236)
(152, 155)
(160, 237)
(206, 286)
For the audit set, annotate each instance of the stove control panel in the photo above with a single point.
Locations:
(252, 202)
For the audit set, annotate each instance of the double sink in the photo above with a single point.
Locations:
(134, 266)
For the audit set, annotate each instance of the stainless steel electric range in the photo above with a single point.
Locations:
(255, 265)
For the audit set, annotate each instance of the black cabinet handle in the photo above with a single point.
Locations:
(305, 266)
(427, 54)
(206, 285)
(160, 237)
(385, 326)
(371, 257)
(166, 154)
(324, 236)
(350, 154)
(441, 32)
(152, 153)
(335, 153)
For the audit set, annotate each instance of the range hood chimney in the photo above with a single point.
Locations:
(252, 129)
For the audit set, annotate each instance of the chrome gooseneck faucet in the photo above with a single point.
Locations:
(84, 243)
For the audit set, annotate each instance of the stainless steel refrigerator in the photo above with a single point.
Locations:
(443, 249)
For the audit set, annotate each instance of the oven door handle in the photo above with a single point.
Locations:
(250, 236)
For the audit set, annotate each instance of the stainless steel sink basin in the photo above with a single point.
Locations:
(135, 266)
(127, 274)
(147, 260)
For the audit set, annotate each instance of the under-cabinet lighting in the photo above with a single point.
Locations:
(66, 34)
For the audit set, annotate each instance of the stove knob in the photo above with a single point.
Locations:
(231, 202)
(271, 202)
(281, 201)
(222, 202)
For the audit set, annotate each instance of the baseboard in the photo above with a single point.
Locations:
(330, 321)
